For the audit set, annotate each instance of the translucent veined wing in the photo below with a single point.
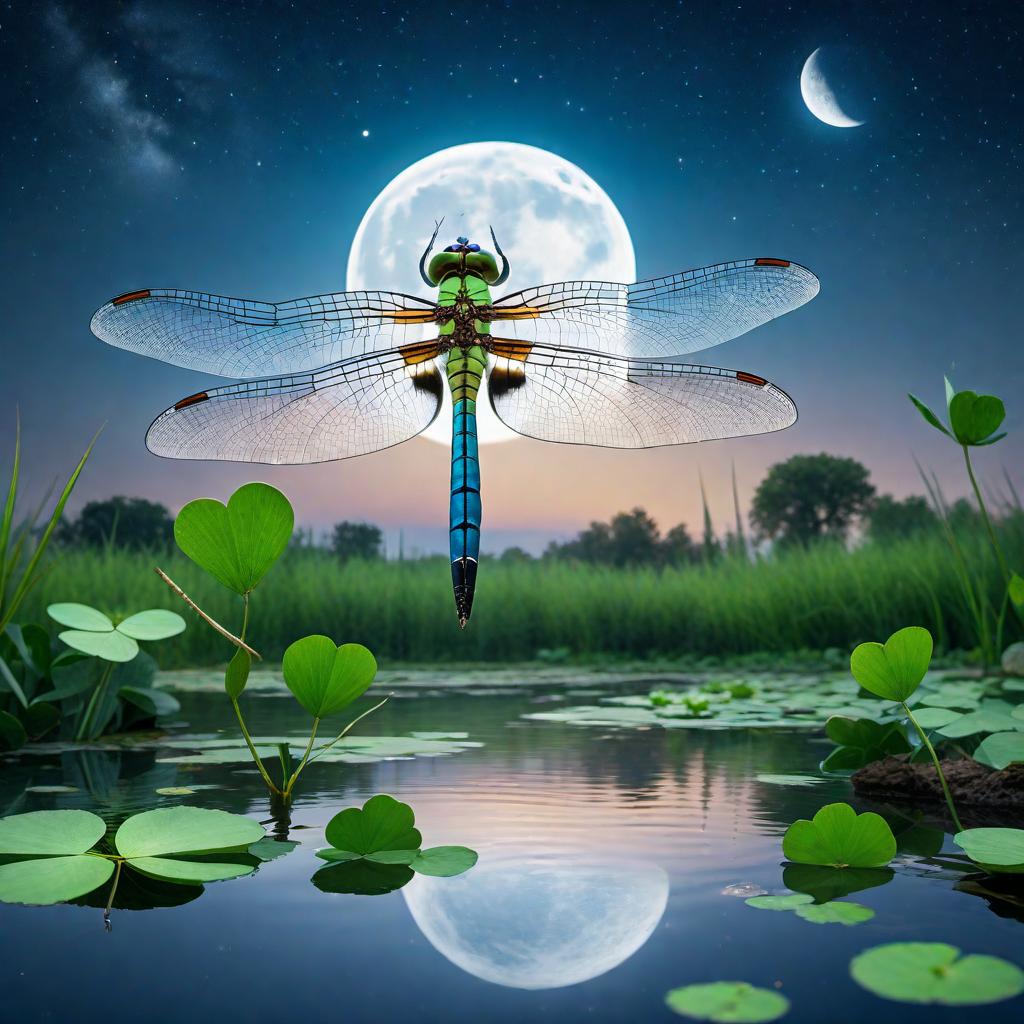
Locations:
(591, 398)
(668, 316)
(355, 407)
(248, 338)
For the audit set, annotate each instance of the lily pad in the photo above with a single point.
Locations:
(1001, 750)
(48, 833)
(998, 850)
(237, 543)
(444, 861)
(80, 616)
(893, 670)
(983, 720)
(790, 901)
(152, 624)
(383, 824)
(834, 912)
(181, 830)
(839, 837)
(933, 972)
(45, 880)
(729, 1002)
(324, 677)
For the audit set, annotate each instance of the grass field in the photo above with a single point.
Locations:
(403, 611)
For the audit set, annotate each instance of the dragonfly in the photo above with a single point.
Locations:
(577, 362)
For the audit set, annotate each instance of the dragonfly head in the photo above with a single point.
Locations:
(463, 257)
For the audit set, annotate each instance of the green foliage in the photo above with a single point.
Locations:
(848, 914)
(237, 673)
(839, 837)
(728, 1002)
(973, 418)
(861, 741)
(49, 856)
(811, 497)
(95, 634)
(120, 522)
(1001, 749)
(998, 850)
(237, 543)
(790, 901)
(356, 541)
(324, 677)
(828, 883)
(889, 520)
(932, 972)
(893, 670)
(383, 833)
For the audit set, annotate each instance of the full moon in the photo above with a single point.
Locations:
(819, 96)
(553, 221)
(538, 922)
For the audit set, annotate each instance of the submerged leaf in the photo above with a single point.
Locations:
(839, 837)
(729, 1002)
(932, 972)
(237, 543)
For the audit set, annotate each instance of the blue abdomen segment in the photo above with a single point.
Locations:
(464, 509)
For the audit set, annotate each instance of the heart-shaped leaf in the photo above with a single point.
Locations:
(362, 878)
(825, 883)
(47, 833)
(12, 733)
(47, 880)
(839, 837)
(112, 646)
(999, 850)
(861, 741)
(383, 823)
(932, 972)
(152, 624)
(893, 670)
(974, 417)
(80, 616)
(325, 678)
(237, 543)
(728, 1002)
(444, 861)
(184, 830)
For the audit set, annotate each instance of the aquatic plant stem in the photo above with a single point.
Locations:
(938, 767)
(305, 757)
(252, 750)
(113, 893)
(227, 634)
(1000, 557)
(90, 709)
(341, 735)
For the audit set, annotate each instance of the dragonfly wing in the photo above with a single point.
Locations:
(353, 408)
(248, 338)
(667, 316)
(590, 398)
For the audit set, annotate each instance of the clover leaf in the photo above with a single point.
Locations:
(324, 677)
(95, 634)
(839, 837)
(861, 741)
(973, 418)
(51, 857)
(383, 832)
(730, 1002)
(997, 850)
(236, 543)
(893, 670)
(933, 972)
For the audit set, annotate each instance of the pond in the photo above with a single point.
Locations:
(614, 866)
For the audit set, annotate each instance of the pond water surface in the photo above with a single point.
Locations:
(613, 868)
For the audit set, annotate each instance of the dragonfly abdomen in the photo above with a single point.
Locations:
(465, 370)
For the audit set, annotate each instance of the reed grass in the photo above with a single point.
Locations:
(821, 598)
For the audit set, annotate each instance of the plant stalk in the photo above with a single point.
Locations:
(1000, 557)
(305, 757)
(113, 893)
(341, 735)
(227, 634)
(252, 750)
(938, 767)
(90, 709)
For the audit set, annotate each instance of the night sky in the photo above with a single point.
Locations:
(234, 148)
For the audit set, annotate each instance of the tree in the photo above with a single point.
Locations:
(631, 538)
(890, 520)
(677, 547)
(811, 497)
(356, 540)
(121, 522)
(515, 556)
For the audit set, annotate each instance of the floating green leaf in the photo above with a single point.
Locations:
(839, 837)
(729, 1002)
(383, 823)
(190, 872)
(238, 543)
(48, 833)
(1001, 750)
(444, 861)
(790, 901)
(893, 670)
(998, 850)
(932, 972)
(986, 719)
(47, 880)
(182, 830)
(835, 913)
(325, 678)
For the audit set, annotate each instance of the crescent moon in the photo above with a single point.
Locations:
(818, 95)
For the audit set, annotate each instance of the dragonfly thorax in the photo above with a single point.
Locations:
(460, 260)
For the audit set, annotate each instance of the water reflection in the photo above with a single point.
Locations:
(532, 921)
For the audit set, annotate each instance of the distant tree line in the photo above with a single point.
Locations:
(807, 499)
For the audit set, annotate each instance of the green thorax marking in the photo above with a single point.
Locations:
(466, 365)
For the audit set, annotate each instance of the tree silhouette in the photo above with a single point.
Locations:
(356, 540)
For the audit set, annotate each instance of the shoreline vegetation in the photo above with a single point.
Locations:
(799, 599)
